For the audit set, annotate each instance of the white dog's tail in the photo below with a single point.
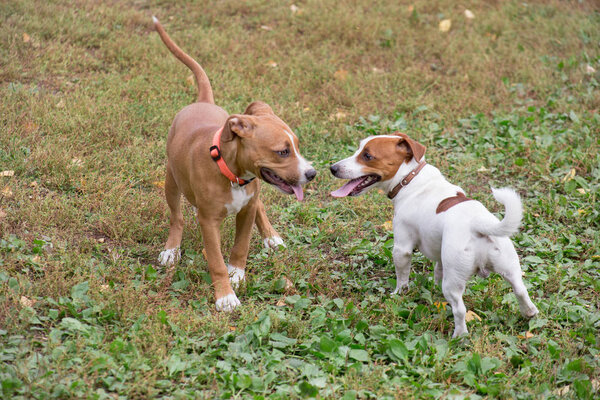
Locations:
(512, 217)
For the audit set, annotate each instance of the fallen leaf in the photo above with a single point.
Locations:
(341, 75)
(441, 304)
(536, 214)
(570, 175)
(2, 214)
(377, 70)
(482, 169)
(445, 25)
(159, 184)
(7, 173)
(529, 335)
(294, 8)
(469, 14)
(6, 192)
(272, 64)
(410, 8)
(76, 162)
(101, 240)
(29, 127)
(491, 36)
(589, 69)
(306, 109)
(337, 116)
(281, 302)
(266, 28)
(25, 302)
(104, 288)
(204, 254)
(36, 259)
(470, 316)
(581, 190)
(26, 38)
(288, 284)
(60, 104)
(190, 80)
(232, 328)
(562, 391)
(388, 226)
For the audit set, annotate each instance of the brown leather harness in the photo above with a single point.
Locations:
(449, 202)
(444, 205)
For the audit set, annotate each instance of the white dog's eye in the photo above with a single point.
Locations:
(367, 157)
(283, 153)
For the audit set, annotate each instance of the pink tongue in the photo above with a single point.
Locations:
(298, 192)
(347, 188)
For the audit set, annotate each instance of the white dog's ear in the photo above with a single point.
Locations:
(415, 148)
(238, 125)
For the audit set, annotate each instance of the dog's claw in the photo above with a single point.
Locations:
(399, 288)
(169, 256)
(227, 303)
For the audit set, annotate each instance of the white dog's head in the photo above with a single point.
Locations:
(376, 162)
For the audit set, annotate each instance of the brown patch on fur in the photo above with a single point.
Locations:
(384, 155)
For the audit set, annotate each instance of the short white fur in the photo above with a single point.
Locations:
(303, 165)
(239, 198)
(169, 256)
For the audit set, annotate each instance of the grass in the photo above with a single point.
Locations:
(88, 93)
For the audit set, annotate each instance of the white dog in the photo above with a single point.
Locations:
(435, 216)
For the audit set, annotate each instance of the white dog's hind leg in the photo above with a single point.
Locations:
(453, 287)
(507, 265)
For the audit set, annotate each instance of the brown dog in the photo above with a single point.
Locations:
(213, 159)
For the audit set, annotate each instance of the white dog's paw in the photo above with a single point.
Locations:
(236, 275)
(531, 312)
(169, 256)
(400, 286)
(460, 331)
(227, 303)
(273, 242)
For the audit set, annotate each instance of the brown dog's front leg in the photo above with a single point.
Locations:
(226, 300)
(271, 238)
(244, 221)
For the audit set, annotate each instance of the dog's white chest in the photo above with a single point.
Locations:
(239, 198)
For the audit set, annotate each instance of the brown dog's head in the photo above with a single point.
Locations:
(269, 149)
(377, 160)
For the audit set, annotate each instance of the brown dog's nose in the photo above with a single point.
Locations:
(310, 174)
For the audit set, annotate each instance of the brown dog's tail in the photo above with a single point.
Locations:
(205, 94)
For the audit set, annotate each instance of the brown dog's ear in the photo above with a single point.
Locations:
(258, 108)
(414, 147)
(238, 125)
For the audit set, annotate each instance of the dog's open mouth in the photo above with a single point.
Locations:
(356, 186)
(277, 181)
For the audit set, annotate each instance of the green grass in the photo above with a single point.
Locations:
(505, 99)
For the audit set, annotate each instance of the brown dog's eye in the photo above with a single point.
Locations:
(367, 156)
(283, 153)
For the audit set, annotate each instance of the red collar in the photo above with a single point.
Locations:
(215, 153)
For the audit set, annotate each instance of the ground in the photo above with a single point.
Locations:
(507, 98)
